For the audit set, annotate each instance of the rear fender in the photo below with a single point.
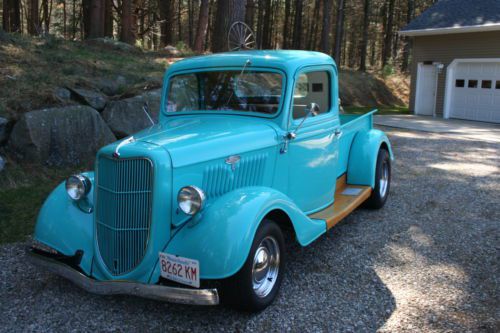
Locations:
(65, 227)
(363, 157)
(221, 235)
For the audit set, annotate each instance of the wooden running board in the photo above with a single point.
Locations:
(347, 198)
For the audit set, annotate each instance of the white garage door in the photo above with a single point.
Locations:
(475, 92)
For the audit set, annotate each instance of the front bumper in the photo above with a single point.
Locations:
(152, 291)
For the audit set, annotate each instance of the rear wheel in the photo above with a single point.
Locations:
(382, 181)
(257, 283)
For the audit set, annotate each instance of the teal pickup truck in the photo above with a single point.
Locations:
(249, 146)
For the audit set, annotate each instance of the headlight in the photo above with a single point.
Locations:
(77, 186)
(191, 199)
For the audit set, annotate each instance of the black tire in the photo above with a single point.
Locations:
(238, 291)
(380, 193)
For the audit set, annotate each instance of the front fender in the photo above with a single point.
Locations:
(65, 227)
(221, 235)
(363, 157)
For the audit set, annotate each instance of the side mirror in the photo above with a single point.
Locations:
(312, 111)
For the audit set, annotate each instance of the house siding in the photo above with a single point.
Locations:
(446, 48)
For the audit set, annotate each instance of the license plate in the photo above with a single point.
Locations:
(179, 269)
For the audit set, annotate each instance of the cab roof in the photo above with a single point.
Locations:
(286, 60)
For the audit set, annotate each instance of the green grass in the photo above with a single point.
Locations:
(381, 110)
(22, 193)
(32, 68)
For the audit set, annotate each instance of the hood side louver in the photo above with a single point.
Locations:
(221, 178)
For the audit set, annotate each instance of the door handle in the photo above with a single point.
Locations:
(338, 133)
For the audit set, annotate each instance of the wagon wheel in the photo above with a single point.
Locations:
(240, 37)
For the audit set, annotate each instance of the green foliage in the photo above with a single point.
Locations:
(388, 70)
(22, 192)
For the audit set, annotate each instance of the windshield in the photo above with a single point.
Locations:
(247, 91)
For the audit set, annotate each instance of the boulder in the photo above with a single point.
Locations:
(126, 117)
(172, 50)
(62, 136)
(111, 86)
(92, 98)
(63, 95)
(3, 129)
(112, 44)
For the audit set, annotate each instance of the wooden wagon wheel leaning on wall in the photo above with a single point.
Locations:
(241, 37)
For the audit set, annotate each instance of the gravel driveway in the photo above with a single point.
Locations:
(428, 261)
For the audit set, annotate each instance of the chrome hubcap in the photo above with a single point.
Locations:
(384, 179)
(265, 269)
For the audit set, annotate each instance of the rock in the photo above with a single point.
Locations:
(63, 95)
(90, 97)
(126, 116)
(172, 50)
(110, 86)
(68, 135)
(3, 129)
(2, 163)
(112, 43)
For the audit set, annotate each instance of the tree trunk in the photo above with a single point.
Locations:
(45, 16)
(108, 18)
(386, 50)
(202, 26)
(297, 26)
(33, 21)
(325, 31)
(286, 24)
(167, 21)
(96, 19)
(179, 21)
(250, 14)
(228, 12)
(11, 17)
(339, 31)
(407, 41)
(364, 39)
(266, 32)
(128, 31)
(190, 22)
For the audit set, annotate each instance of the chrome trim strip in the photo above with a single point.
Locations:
(151, 291)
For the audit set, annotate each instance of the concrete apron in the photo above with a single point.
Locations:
(473, 130)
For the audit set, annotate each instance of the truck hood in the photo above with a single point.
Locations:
(193, 139)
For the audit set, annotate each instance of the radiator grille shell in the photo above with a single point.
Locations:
(124, 189)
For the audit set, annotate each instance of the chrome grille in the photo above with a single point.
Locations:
(123, 211)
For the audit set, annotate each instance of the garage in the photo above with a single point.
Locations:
(473, 90)
(455, 60)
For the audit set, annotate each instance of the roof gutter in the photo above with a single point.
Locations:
(451, 30)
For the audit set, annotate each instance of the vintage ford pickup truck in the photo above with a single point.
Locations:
(250, 145)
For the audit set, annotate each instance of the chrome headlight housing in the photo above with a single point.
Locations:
(78, 186)
(191, 199)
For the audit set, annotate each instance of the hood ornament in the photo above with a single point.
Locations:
(232, 161)
(125, 142)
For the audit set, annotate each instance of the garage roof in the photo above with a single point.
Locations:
(456, 16)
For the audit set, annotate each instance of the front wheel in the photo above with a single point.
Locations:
(382, 181)
(257, 283)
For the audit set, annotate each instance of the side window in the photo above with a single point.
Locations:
(311, 87)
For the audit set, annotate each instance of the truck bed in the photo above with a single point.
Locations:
(351, 124)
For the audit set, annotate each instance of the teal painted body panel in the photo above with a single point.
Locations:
(191, 148)
(64, 227)
(220, 237)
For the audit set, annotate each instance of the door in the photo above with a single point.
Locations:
(425, 99)
(313, 153)
(475, 91)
